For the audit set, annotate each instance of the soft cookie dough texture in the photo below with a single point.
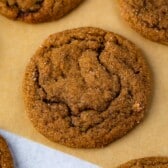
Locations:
(149, 162)
(6, 160)
(35, 11)
(148, 17)
(86, 87)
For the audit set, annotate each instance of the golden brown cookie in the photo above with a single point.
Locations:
(149, 162)
(86, 87)
(35, 11)
(6, 160)
(148, 17)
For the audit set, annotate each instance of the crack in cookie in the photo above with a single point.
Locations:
(86, 87)
(25, 5)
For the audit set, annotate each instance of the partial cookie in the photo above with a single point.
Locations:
(86, 87)
(6, 160)
(149, 162)
(148, 17)
(35, 11)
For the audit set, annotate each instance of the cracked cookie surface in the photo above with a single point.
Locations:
(86, 87)
(149, 162)
(148, 17)
(6, 160)
(35, 11)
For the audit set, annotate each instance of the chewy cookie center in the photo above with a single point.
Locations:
(77, 78)
(25, 5)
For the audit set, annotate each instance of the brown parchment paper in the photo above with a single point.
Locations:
(19, 41)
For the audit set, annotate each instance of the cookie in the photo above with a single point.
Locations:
(149, 162)
(6, 160)
(86, 87)
(35, 11)
(147, 17)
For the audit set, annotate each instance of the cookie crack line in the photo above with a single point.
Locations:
(50, 102)
(25, 6)
(99, 51)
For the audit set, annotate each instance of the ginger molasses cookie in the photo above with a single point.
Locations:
(35, 11)
(86, 87)
(148, 17)
(149, 162)
(6, 160)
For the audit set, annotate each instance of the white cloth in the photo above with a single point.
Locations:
(28, 154)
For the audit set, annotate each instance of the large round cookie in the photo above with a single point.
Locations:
(148, 17)
(35, 11)
(149, 162)
(6, 160)
(86, 87)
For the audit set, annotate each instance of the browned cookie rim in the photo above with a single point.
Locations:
(41, 11)
(147, 161)
(6, 160)
(136, 16)
(73, 138)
